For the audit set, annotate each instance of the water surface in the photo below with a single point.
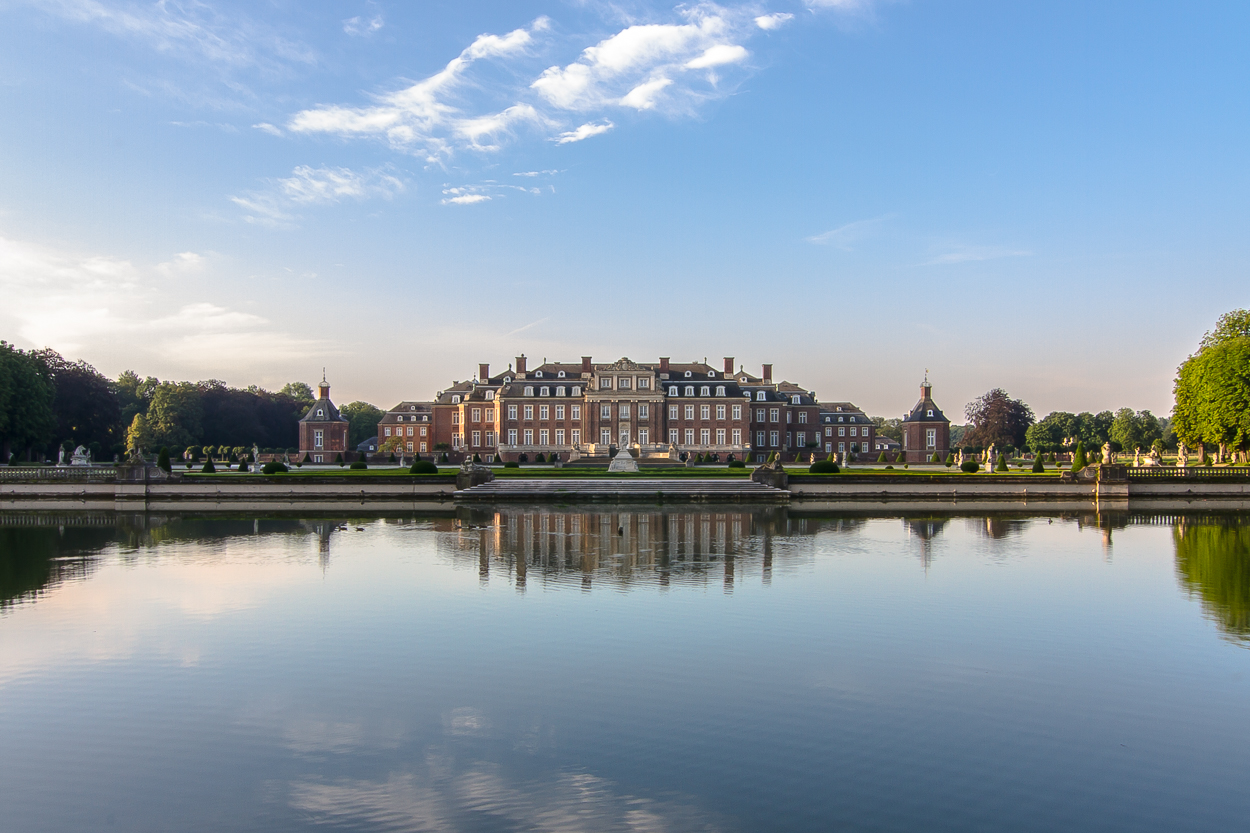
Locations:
(668, 669)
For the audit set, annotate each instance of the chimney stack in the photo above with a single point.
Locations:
(586, 368)
(926, 390)
(664, 364)
(483, 372)
(768, 374)
(729, 365)
(520, 366)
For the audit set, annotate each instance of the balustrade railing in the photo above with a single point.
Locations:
(1172, 472)
(60, 473)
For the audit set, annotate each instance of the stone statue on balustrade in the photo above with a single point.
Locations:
(1108, 456)
(1182, 455)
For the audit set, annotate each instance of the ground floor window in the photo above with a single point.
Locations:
(423, 448)
(705, 436)
(409, 448)
(737, 436)
(644, 436)
(559, 436)
(511, 438)
(576, 435)
(689, 436)
(605, 436)
(529, 436)
(672, 436)
(544, 437)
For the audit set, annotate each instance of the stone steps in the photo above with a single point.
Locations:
(623, 490)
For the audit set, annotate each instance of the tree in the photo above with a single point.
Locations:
(1059, 430)
(1078, 457)
(1212, 388)
(362, 421)
(134, 394)
(139, 435)
(299, 392)
(85, 403)
(1229, 326)
(174, 417)
(162, 459)
(997, 418)
(27, 419)
(1134, 430)
(892, 428)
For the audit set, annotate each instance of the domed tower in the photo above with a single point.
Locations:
(323, 430)
(926, 430)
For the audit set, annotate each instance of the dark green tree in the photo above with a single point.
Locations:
(27, 419)
(162, 459)
(996, 418)
(362, 421)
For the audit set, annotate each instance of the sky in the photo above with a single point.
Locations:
(1050, 198)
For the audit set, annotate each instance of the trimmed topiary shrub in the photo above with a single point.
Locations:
(359, 465)
(162, 460)
(512, 464)
(1002, 463)
(273, 467)
(392, 458)
(881, 457)
(209, 468)
(423, 467)
(891, 468)
(823, 467)
(737, 464)
(444, 458)
(1079, 460)
(970, 466)
(936, 458)
(1038, 465)
(243, 465)
(477, 458)
(339, 458)
(540, 458)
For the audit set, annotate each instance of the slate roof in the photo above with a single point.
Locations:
(323, 410)
(926, 405)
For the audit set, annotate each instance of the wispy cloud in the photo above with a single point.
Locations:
(585, 131)
(266, 127)
(359, 26)
(552, 172)
(773, 21)
(489, 190)
(844, 237)
(529, 325)
(308, 186)
(967, 254)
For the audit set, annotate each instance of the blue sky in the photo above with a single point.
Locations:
(1045, 197)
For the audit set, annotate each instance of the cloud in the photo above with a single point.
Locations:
(773, 21)
(466, 199)
(359, 27)
(968, 254)
(584, 132)
(719, 55)
(843, 237)
(529, 325)
(266, 127)
(424, 116)
(308, 186)
(537, 173)
(80, 304)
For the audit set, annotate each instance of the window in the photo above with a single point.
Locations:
(687, 374)
(576, 436)
(490, 396)
(801, 438)
(930, 437)
(529, 436)
(737, 436)
(477, 414)
(423, 448)
(930, 412)
(705, 412)
(605, 436)
(759, 439)
(759, 415)
(410, 430)
(672, 412)
(622, 383)
(490, 414)
(605, 383)
(720, 390)
(644, 410)
(705, 436)
(802, 417)
(605, 411)
(644, 436)
(644, 383)
(737, 412)
(544, 412)
(560, 390)
(490, 437)
(529, 411)
(690, 412)
(841, 431)
(560, 375)
(828, 431)
(711, 374)
(623, 410)
(577, 390)
(841, 447)
(316, 458)
(559, 412)
(689, 436)
(689, 390)
(455, 400)
(772, 438)
(529, 390)
(511, 438)
(760, 396)
(672, 436)
(720, 411)
(399, 418)
(672, 391)
(318, 438)
(704, 390)
(559, 436)
(544, 437)
(796, 399)
(512, 412)
(575, 412)
(544, 391)
(854, 431)
(774, 414)
(840, 419)
(386, 431)
(423, 429)
(477, 439)
(456, 440)
(720, 436)
(455, 417)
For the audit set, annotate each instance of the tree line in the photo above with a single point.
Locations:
(49, 403)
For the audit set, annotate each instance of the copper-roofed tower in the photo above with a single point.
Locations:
(323, 430)
(926, 430)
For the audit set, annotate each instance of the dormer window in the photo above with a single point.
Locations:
(759, 397)
(930, 412)
(320, 412)
(538, 374)
(412, 407)
(711, 374)
(689, 390)
(455, 400)
(560, 390)
(743, 379)
(796, 399)
(507, 380)
(529, 390)
(623, 383)
(672, 391)
(687, 374)
(560, 375)
(399, 418)
(490, 394)
(605, 383)
(577, 390)
(720, 390)
(544, 391)
(840, 419)
(705, 391)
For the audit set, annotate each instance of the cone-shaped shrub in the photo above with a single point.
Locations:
(208, 467)
(1038, 466)
(881, 457)
(541, 458)
(392, 459)
(1002, 463)
(1078, 458)
(162, 459)
(243, 465)
(477, 458)
(936, 458)
(339, 459)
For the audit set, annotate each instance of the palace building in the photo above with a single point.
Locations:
(926, 430)
(323, 430)
(584, 408)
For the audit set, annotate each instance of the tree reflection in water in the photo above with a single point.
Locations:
(686, 544)
(1213, 560)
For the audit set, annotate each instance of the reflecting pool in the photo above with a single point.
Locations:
(648, 669)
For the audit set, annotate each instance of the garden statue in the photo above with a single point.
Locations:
(1137, 457)
(80, 457)
(1182, 455)
(1108, 456)
(255, 453)
(990, 454)
(1155, 458)
(60, 457)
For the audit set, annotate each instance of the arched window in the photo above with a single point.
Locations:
(560, 374)
(544, 391)
(705, 390)
(930, 412)
(796, 399)
(672, 391)
(490, 394)
(412, 407)
(687, 374)
(720, 390)
(560, 390)
(538, 374)
(743, 379)
(759, 396)
(399, 418)
(689, 390)
(577, 390)
(320, 412)
(529, 390)
(507, 379)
